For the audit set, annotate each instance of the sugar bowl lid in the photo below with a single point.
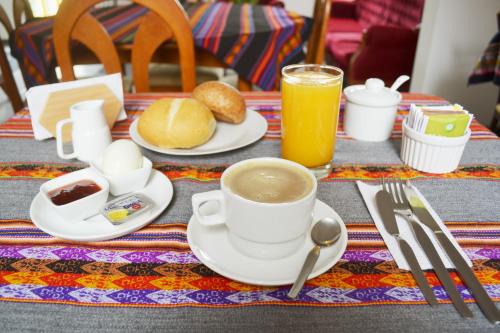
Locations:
(372, 93)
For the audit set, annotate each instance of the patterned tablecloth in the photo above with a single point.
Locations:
(256, 41)
(154, 268)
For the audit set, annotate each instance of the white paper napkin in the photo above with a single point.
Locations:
(368, 192)
(36, 98)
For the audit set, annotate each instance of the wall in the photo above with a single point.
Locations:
(454, 34)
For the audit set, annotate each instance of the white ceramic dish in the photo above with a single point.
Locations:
(211, 246)
(127, 182)
(226, 137)
(430, 153)
(81, 208)
(97, 228)
(370, 110)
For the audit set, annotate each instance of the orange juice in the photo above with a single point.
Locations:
(309, 116)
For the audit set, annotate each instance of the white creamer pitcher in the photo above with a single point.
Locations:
(90, 134)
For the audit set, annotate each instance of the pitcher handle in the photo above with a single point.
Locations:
(59, 140)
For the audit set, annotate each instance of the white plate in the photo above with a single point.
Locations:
(211, 246)
(97, 228)
(226, 137)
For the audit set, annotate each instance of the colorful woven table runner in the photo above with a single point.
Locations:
(256, 41)
(154, 266)
(267, 103)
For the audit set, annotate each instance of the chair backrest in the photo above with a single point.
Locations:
(20, 7)
(316, 44)
(7, 81)
(166, 20)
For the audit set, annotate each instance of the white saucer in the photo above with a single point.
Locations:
(97, 228)
(226, 137)
(211, 246)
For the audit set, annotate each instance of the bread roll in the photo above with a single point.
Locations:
(176, 123)
(224, 101)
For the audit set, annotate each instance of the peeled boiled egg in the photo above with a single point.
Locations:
(120, 157)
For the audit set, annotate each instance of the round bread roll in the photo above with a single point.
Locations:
(176, 123)
(224, 101)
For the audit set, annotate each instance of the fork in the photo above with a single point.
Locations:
(402, 207)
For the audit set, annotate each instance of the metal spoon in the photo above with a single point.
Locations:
(399, 81)
(324, 233)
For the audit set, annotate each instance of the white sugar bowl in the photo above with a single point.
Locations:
(371, 109)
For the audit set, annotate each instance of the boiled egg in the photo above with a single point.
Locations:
(120, 157)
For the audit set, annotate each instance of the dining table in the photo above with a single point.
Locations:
(254, 40)
(150, 280)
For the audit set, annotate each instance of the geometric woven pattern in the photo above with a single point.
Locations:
(210, 173)
(87, 275)
(154, 266)
(268, 105)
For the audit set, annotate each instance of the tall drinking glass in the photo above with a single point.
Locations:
(310, 110)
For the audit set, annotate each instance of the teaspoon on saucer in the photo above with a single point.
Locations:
(324, 233)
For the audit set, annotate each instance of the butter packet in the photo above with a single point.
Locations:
(447, 121)
(125, 208)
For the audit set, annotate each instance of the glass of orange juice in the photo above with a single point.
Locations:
(310, 109)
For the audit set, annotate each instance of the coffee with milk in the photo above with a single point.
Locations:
(269, 182)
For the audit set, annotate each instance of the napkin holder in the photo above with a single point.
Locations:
(50, 103)
(59, 103)
(430, 153)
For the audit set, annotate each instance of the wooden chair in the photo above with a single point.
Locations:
(166, 21)
(7, 81)
(20, 8)
(316, 44)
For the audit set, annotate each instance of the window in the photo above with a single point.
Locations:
(43, 8)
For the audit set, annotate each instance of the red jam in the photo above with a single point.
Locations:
(72, 192)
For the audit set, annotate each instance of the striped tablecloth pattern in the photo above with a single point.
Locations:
(256, 41)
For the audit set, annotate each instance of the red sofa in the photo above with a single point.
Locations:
(374, 38)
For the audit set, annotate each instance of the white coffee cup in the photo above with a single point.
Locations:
(257, 229)
(90, 133)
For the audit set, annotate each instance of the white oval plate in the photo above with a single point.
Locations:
(97, 228)
(211, 246)
(226, 137)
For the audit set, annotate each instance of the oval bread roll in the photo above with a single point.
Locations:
(176, 123)
(224, 101)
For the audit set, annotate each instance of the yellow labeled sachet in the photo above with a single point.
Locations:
(126, 207)
(447, 121)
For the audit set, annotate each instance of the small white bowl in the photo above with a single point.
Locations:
(128, 182)
(82, 208)
(430, 153)
(370, 111)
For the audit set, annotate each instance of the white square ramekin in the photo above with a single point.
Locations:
(82, 208)
(430, 153)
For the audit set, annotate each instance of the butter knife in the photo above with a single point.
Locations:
(386, 209)
(440, 269)
(464, 271)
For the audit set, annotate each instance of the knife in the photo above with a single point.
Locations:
(386, 210)
(440, 269)
(464, 271)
